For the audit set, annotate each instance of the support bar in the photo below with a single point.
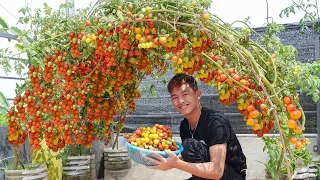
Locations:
(8, 36)
(14, 78)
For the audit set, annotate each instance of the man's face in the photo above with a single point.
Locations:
(184, 99)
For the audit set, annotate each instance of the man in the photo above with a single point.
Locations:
(211, 148)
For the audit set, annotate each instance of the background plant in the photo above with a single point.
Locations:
(310, 9)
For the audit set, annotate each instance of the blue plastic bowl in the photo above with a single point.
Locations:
(139, 155)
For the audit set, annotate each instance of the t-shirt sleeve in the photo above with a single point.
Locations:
(219, 132)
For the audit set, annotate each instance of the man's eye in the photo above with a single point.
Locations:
(173, 97)
(185, 94)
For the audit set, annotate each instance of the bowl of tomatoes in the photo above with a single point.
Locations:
(146, 141)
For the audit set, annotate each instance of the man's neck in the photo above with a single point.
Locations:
(194, 117)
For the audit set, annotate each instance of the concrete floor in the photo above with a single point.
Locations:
(252, 148)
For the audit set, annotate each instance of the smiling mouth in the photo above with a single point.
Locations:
(183, 106)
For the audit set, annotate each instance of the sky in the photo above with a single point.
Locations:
(231, 10)
(227, 10)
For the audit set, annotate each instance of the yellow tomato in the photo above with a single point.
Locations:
(155, 136)
(148, 9)
(88, 40)
(146, 139)
(156, 141)
(93, 37)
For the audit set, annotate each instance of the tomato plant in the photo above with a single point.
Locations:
(84, 71)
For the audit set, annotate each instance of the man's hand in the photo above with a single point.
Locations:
(162, 163)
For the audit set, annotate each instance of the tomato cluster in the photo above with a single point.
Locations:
(77, 90)
(293, 123)
(157, 138)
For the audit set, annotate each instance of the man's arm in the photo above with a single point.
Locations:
(211, 170)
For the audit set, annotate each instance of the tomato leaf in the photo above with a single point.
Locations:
(4, 104)
(109, 18)
(20, 47)
(286, 92)
(27, 40)
(3, 23)
(19, 88)
(24, 10)
(15, 30)
(120, 15)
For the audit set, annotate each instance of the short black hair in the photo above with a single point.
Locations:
(179, 79)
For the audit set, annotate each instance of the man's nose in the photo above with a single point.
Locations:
(181, 100)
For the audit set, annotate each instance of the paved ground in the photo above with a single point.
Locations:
(252, 148)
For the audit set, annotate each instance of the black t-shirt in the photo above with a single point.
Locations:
(214, 128)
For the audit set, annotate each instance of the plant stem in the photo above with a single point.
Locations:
(174, 12)
(266, 84)
(16, 159)
(303, 116)
(116, 140)
(273, 64)
(17, 154)
(247, 57)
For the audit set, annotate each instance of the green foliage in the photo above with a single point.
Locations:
(3, 23)
(3, 119)
(46, 29)
(310, 9)
(294, 73)
(274, 150)
(7, 163)
(149, 90)
(4, 104)
(272, 146)
(73, 150)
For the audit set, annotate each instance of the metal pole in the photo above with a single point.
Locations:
(70, 11)
(267, 12)
(8, 36)
(317, 56)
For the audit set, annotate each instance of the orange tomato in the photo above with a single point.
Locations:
(291, 107)
(205, 16)
(250, 122)
(297, 130)
(250, 108)
(296, 114)
(293, 140)
(254, 114)
(287, 100)
(292, 123)
(299, 145)
(88, 23)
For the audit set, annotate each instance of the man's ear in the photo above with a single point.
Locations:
(198, 93)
